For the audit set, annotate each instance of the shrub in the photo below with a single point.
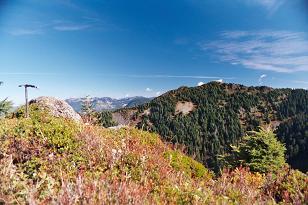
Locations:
(48, 160)
(287, 186)
(186, 164)
(34, 141)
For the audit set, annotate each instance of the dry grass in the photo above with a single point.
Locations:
(184, 107)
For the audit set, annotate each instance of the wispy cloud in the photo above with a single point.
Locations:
(260, 80)
(27, 74)
(148, 89)
(300, 82)
(176, 76)
(119, 75)
(84, 24)
(280, 51)
(270, 5)
(25, 32)
(36, 28)
(71, 27)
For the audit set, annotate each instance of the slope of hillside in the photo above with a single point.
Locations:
(48, 160)
(107, 103)
(219, 114)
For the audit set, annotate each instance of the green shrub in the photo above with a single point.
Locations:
(36, 139)
(288, 186)
(186, 164)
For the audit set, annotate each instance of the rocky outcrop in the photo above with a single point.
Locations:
(57, 108)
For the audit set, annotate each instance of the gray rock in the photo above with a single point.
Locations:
(57, 108)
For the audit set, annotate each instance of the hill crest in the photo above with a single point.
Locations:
(222, 114)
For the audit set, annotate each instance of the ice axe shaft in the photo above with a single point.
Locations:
(26, 86)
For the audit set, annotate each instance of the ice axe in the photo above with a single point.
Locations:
(26, 86)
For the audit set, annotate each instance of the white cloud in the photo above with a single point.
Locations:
(200, 84)
(23, 32)
(280, 51)
(29, 74)
(260, 80)
(270, 5)
(71, 27)
(148, 89)
(176, 76)
(35, 28)
(219, 80)
(263, 76)
(158, 93)
(300, 81)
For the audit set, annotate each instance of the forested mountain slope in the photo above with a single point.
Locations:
(208, 119)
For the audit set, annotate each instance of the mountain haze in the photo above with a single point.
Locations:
(107, 103)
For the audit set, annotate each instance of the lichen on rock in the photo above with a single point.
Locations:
(57, 108)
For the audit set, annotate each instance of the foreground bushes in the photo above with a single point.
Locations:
(53, 160)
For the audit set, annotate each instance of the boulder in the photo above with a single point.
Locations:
(57, 108)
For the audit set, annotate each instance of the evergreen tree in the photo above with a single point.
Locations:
(294, 133)
(260, 151)
(87, 106)
(5, 107)
(105, 119)
(87, 109)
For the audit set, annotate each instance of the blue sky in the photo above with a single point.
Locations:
(121, 48)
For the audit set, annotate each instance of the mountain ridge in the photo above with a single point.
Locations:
(219, 114)
(108, 103)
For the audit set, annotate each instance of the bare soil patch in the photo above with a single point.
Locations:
(184, 107)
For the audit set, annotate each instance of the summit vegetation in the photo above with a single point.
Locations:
(53, 160)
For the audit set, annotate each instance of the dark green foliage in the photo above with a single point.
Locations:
(222, 114)
(105, 119)
(296, 103)
(294, 133)
(260, 151)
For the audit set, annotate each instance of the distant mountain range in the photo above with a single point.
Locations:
(107, 103)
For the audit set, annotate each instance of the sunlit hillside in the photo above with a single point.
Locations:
(52, 160)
